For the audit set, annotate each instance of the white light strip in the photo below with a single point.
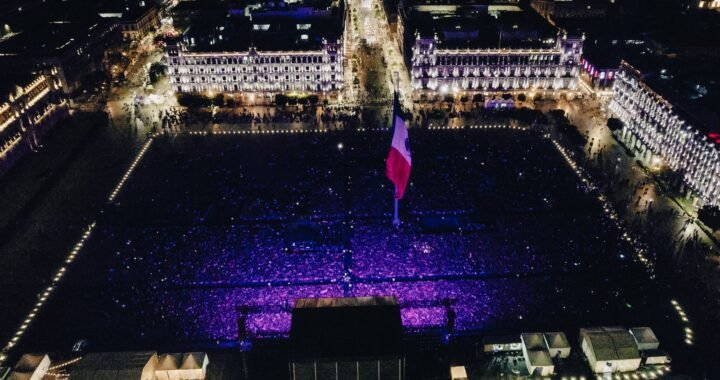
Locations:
(640, 254)
(45, 294)
(129, 171)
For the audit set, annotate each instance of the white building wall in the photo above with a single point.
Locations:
(255, 71)
(436, 69)
(654, 129)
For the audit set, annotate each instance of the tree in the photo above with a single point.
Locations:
(525, 115)
(281, 100)
(192, 100)
(156, 71)
(558, 115)
(710, 215)
(572, 134)
(615, 124)
(218, 100)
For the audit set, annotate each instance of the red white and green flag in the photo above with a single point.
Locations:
(399, 161)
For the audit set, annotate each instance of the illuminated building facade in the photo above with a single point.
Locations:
(469, 48)
(435, 68)
(30, 110)
(260, 48)
(601, 77)
(256, 71)
(709, 4)
(138, 22)
(658, 133)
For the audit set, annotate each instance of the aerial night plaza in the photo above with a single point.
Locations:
(359, 189)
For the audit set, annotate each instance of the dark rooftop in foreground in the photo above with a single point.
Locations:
(346, 327)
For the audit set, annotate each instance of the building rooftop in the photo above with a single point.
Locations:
(556, 340)
(55, 28)
(691, 86)
(111, 365)
(288, 27)
(361, 327)
(611, 343)
(15, 77)
(481, 26)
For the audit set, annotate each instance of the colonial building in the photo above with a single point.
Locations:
(709, 4)
(262, 49)
(495, 70)
(68, 36)
(29, 109)
(256, 71)
(660, 133)
(492, 48)
(136, 22)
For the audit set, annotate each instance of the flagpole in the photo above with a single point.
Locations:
(396, 215)
(396, 97)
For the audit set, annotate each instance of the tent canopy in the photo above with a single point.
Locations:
(556, 340)
(112, 365)
(645, 337)
(610, 343)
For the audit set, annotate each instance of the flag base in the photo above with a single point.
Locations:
(396, 216)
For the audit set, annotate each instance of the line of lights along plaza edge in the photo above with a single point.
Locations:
(654, 128)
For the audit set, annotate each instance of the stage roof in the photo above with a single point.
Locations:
(346, 328)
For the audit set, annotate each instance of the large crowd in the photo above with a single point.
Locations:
(219, 240)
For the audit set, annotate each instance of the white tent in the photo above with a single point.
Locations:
(645, 338)
(537, 356)
(168, 365)
(188, 366)
(558, 344)
(30, 367)
(458, 373)
(656, 357)
(610, 349)
(129, 365)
